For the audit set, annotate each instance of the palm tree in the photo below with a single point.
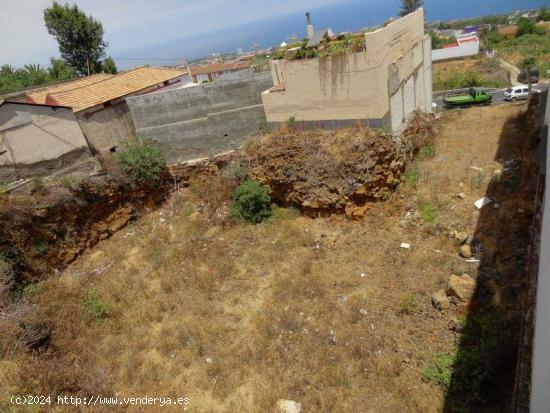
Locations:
(527, 64)
(7, 69)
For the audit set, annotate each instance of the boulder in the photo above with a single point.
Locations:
(461, 287)
(440, 300)
(288, 406)
(466, 251)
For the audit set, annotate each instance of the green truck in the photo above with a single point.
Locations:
(474, 97)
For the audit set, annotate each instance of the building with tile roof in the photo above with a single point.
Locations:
(99, 101)
(38, 96)
(132, 82)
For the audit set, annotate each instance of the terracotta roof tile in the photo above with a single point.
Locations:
(117, 86)
(221, 67)
(39, 96)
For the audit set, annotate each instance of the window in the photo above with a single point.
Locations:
(525, 90)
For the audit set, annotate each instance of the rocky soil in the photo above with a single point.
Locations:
(335, 171)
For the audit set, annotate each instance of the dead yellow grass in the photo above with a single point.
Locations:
(236, 316)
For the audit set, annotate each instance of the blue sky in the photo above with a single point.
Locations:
(131, 24)
(194, 28)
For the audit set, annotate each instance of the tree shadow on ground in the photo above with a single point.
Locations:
(484, 366)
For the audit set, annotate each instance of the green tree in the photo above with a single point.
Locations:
(7, 69)
(109, 66)
(408, 6)
(527, 64)
(60, 70)
(527, 26)
(80, 37)
(544, 14)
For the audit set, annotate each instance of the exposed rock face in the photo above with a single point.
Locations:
(50, 231)
(333, 171)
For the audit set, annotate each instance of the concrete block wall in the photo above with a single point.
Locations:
(202, 120)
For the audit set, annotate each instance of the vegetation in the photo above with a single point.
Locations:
(544, 14)
(96, 307)
(143, 161)
(291, 122)
(408, 6)
(439, 369)
(33, 75)
(531, 40)
(408, 304)
(252, 202)
(485, 72)
(428, 211)
(439, 42)
(80, 37)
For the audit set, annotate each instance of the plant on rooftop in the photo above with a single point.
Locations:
(142, 161)
(252, 202)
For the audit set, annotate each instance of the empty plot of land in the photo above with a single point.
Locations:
(329, 312)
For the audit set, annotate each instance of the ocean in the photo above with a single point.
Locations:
(350, 15)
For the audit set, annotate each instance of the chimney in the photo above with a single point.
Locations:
(309, 26)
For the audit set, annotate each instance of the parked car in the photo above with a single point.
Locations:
(522, 77)
(518, 93)
(475, 96)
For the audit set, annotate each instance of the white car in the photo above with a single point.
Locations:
(518, 92)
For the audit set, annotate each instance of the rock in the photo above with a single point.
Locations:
(456, 325)
(461, 236)
(461, 195)
(288, 406)
(440, 300)
(462, 287)
(466, 251)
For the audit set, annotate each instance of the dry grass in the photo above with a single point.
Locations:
(236, 316)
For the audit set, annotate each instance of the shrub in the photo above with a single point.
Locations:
(291, 122)
(252, 202)
(97, 308)
(142, 161)
(428, 211)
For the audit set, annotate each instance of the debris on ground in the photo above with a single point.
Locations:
(288, 406)
(481, 202)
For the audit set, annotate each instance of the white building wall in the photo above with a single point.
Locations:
(462, 50)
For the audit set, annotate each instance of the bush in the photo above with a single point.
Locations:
(143, 162)
(252, 202)
(96, 307)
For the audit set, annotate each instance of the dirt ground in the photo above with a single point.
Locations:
(328, 312)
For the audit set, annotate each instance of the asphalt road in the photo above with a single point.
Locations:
(498, 96)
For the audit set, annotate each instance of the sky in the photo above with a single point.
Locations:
(185, 29)
(132, 23)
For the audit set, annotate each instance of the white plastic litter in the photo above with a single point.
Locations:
(481, 202)
(405, 245)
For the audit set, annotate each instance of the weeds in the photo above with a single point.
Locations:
(428, 211)
(476, 181)
(263, 125)
(38, 185)
(439, 369)
(411, 176)
(427, 151)
(235, 172)
(41, 247)
(408, 304)
(97, 308)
